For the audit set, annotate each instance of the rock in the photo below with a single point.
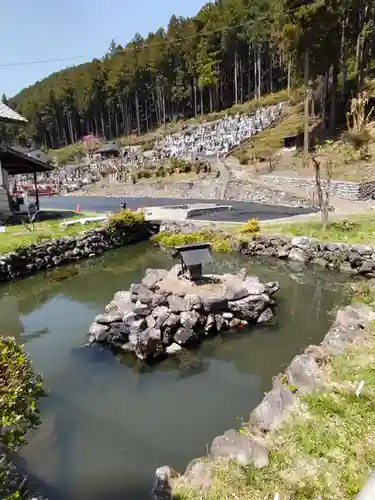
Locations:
(227, 315)
(173, 349)
(142, 294)
(153, 277)
(189, 319)
(168, 333)
(297, 254)
(162, 489)
(184, 335)
(254, 286)
(249, 308)
(173, 320)
(272, 287)
(129, 318)
(149, 344)
(270, 413)
(242, 273)
(122, 305)
(122, 295)
(107, 319)
(241, 448)
(303, 242)
(282, 252)
(210, 323)
(99, 332)
(158, 300)
(215, 304)
(234, 323)
(159, 311)
(362, 249)
(151, 322)
(219, 321)
(127, 347)
(194, 302)
(302, 373)
(366, 267)
(178, 304)
(233, 292)
(199, 474)
(141, 309)
(266, 315)
(138, 326)
(354, 315)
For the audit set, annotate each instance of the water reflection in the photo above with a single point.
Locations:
(109, 421)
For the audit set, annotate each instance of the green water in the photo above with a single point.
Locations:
(109, 422)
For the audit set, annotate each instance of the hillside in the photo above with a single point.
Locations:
(232, 51)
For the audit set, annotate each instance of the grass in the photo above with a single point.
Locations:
(325, 447)
(18, 236)
(358, 229)
(266, 143)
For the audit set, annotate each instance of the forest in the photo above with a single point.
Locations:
(231, 51)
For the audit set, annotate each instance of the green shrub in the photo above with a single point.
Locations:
(345, 225)
(20, 389)
(358, 140)
(252, 226)
(124, 218)
(244, 159)
(220, 242)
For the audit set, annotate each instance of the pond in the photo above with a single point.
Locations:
(108, 422)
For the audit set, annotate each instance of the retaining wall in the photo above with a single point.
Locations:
(339, 189)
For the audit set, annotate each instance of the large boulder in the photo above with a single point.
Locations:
(141, 293)
(254, 286)
(178, 304)
(107, 319)
(99, 332)
(189, 319)
(303, 372)
(184, 335)
(162, 488)
(249, 308)
(149, 344)
(241, 448)
(270, 413)
(215, 304)
(153, 277)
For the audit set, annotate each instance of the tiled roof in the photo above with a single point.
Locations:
(8, 115)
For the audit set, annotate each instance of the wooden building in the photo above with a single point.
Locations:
(13, 162)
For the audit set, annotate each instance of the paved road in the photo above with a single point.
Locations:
(241, 211)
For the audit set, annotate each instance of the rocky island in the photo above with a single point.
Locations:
(168, 310)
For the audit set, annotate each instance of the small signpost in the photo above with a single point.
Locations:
(192, 259)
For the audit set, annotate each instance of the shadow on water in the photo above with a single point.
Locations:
(109, 421)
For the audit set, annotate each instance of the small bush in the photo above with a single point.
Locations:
(219, 242)
(244, 159)
(358, 140)
(124, 218)
(252, 226)
(345, 225)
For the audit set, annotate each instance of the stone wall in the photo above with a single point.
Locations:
(339, 189)
(51, 253)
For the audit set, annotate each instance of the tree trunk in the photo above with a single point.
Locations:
(306, 107)
(137, 113)
(324, 100)
(289, 74)
(235, 77)
(210, 97)
(201, 92)
(259, 73)
(332, 121)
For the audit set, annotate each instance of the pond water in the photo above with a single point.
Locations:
(108, 422)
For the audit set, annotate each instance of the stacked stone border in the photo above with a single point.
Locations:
(301, 377)
(51, 253)
(303, 374)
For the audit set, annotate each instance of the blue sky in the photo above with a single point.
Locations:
(55, 29)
